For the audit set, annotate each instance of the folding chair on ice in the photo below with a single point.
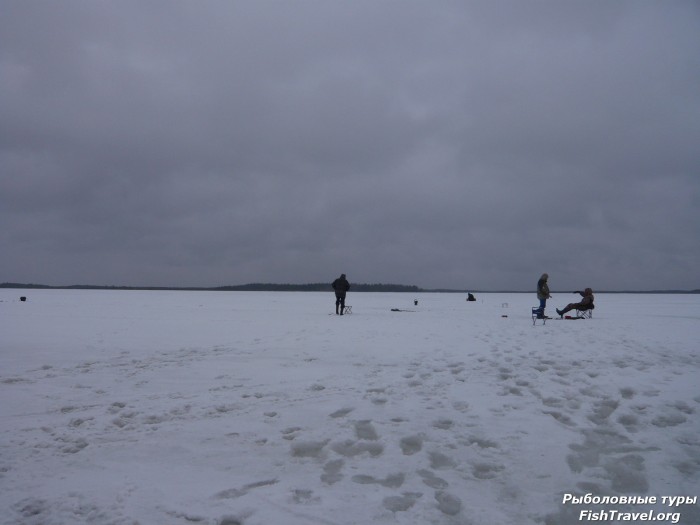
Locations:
(585, 314)
(537, 314)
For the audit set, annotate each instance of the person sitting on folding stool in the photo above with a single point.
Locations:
(585, 304)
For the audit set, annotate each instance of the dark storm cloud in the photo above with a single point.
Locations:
(445, 145)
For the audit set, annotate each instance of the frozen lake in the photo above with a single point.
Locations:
(257, 408)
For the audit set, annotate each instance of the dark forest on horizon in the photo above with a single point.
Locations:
(251, 287)
(310, 287)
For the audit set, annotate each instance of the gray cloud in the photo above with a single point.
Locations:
(443, 145)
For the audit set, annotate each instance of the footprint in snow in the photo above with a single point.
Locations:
(365, 430)
(308, 449)
(391, 481)
(438, 461)
(486, 470)
(431, 480)
(341, 413)
(237, 493)
(72, 446)
(448, 503)
(290, 433)
(411, 444)
(331, 471)
(443, 424)
(350, 448)
(401, 503)
(627, 474)
(602, 411)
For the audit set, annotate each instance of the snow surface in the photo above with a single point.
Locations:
(155, 407)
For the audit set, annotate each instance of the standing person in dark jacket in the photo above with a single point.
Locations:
(341, 286)
(542, 294)
(585, 304)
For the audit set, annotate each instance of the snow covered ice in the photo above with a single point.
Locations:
(215, 408)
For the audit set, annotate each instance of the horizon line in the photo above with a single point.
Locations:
(397, 288)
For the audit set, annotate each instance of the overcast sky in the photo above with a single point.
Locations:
(470, 145)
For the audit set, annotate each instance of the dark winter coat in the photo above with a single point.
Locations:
(341, 285)
(542, 287)
(587, 301)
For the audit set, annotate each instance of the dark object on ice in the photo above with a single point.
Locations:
(22, 298)
(537, 314)
(399, 310)
(585, 314)
(415, 302)
(583, 308)
(340, 286)
(470, 297)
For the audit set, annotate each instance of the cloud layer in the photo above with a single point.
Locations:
(455, 145)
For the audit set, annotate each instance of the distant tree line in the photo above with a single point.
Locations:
(311, 287)
(253, 287)
(316, 287)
